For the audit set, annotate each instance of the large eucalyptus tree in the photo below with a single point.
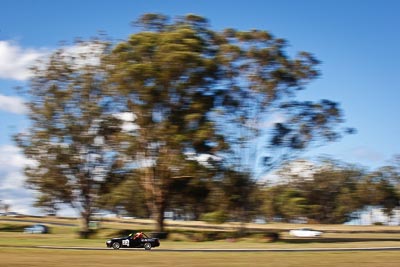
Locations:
(196, 91)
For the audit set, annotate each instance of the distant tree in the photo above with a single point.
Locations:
(6, 207)
(393, 172)
(240, 196)
(330, 194)
(271, 207)
(378, 188)
(284, 202)
(293, 204)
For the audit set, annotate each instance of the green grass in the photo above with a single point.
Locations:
(13, 253)
(328, 241)
(341, 236)
(61, 258)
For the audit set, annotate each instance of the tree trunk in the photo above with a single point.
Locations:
(160, 219)
(159, 209)
(85, 230)
(242, 215)
(155, 196)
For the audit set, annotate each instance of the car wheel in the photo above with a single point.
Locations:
(116, 245)
(147, 246)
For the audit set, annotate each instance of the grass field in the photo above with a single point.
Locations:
(61, 258)
(329, 241)
(64, 233)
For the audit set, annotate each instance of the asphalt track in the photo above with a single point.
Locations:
(216, 250)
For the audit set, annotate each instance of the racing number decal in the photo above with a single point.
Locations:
(125, 242)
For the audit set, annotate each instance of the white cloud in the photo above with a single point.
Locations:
(305, 169)
(12, 104)
(12, 157)
(83, 54)
(12, 161)
(12, 190)
(19, 200)
(15, 60)
(12, 179)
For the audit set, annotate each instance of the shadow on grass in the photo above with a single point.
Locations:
(13, 228)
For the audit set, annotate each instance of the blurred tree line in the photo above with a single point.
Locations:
(179, 117)
(331, 193)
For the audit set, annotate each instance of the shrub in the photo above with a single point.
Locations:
(178, 237)
(271, 236)
(215, 217)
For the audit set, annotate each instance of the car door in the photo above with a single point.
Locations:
(135, 242)
(126, 242)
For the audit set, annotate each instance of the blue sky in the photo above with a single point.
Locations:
(357, 41)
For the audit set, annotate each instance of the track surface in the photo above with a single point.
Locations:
(219, 250)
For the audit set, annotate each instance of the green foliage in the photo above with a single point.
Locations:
(125, 198)
(218, 216)
(164, 75)
(69, 137)
(330, 195)
(188, 196)
(193, 92)
(240, 195)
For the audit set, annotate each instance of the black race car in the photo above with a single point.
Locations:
(139, 240)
